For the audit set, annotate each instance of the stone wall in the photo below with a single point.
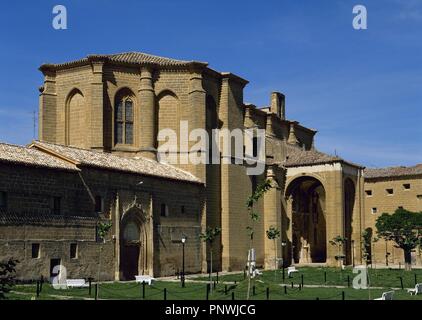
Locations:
(29, 219)
(410, 199)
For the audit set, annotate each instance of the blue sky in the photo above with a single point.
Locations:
(362, 90)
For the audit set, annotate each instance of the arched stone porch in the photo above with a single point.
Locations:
(306, 210)
(135, 243)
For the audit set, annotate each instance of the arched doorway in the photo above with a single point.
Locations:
(132, 244)
(349, 203)
(309, 237)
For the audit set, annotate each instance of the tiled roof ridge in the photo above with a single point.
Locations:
(131, 57)
(151, 56)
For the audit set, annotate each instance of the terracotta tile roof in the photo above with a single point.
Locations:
(297, 157)
(393, 172)
(127, 57)
(103, 160)
(140, 57)
(14, 218)
(31, 157)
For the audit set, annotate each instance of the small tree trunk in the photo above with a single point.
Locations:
(211, 268)
(249, 267)
(408, 259)
(99, 271)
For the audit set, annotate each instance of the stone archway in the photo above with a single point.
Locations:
(306, 196)
(133, 244)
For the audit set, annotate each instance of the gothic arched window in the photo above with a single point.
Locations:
(124, 121)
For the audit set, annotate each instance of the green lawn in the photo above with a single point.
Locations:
(384, 278)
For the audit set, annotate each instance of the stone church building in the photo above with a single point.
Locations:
(96, 160)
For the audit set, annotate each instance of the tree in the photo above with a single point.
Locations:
(404, 228)
(208, 237)
(339, 241)
(259, 192)
(273, 234)
(366, 245)
(7, 276)
(102, 230)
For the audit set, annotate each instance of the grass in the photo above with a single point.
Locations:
(383, 278)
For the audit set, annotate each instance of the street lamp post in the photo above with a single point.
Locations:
(283, 245)
(183, 261)
(353, 253)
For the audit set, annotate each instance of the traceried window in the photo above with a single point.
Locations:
(124, 121)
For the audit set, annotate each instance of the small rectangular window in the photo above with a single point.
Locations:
(3, 200)
(99, 204)
(35, 251)
(164, 210)
(390, 192)
(182, 209)
(73, 251)
(406, 186)
(419, 197)
(401, 207)
(56, 205)
(374, 210)
(368, 193)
